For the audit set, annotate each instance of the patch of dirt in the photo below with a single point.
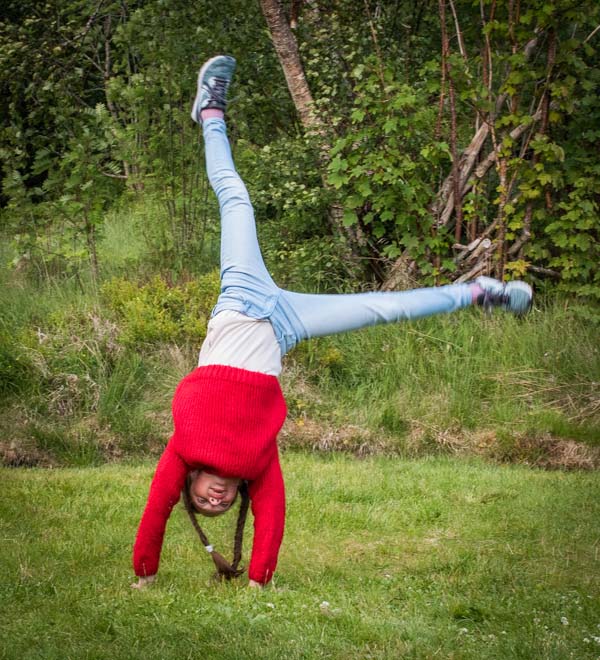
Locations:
(543, 451)
(310, 435)
(20, 449)
(17, 448)
(13, 454)
(548, 452)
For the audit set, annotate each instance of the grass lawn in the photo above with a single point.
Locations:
(383, 558)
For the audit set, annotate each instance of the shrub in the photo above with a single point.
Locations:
(158, 312)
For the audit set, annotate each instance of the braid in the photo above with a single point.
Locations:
(224, 568)
(241, 521)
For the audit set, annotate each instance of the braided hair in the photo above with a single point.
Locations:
(225, 570)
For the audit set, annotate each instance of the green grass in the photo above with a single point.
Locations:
(432, 558)
(123, 246)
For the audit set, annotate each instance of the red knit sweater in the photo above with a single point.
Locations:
(226, 420)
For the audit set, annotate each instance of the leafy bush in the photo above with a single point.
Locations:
(291, 207)
(314, 265)
(84, 379)
(158, 312)
(386, 167)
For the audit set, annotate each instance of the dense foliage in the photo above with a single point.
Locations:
(440, 126)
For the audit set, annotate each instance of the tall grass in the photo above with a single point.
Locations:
(71, 374)
(124, 247)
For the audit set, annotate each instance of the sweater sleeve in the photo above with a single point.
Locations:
(165, 491)
(267, 494)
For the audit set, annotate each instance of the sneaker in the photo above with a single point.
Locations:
(515, 297)
(213, 82)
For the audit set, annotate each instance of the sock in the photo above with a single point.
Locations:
(476, 291)
(211, 113)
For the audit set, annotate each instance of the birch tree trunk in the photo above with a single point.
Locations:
(286, 48)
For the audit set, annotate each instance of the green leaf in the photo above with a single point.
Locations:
(350, 218)
(392, 251)
(337, 180)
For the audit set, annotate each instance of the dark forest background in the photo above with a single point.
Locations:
(421, 140)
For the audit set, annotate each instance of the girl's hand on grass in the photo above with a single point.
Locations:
(255, 585)
(143, 581)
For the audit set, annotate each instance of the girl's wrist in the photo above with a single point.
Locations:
(143, 580)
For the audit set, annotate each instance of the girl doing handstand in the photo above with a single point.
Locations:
(228, 411)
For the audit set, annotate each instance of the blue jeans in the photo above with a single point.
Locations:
(247, 287)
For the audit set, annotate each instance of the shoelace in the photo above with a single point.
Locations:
(218, 89)
(492, 299)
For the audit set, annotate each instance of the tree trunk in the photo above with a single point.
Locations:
(286, 48)
(517, 248)
(456, 187)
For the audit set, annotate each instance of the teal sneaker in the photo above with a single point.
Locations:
(515, 297)
(213, 82)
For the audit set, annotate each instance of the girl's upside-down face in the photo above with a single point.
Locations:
(212, 495)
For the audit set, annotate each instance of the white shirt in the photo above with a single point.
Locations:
(236, 340)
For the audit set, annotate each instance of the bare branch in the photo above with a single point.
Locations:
(484, 166)
(376, 45)
(459, 37)
(482, 266)
(114, 176)
(545, 271)
(591, 34)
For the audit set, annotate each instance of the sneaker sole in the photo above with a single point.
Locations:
(195, 114)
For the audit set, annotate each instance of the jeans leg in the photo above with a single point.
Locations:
(246, 285)
(241, 260)
(315, 315)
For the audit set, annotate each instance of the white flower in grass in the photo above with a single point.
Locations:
(596, 639)
(327, 609)
(463, 631)
(271, 605)
(564, 620)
